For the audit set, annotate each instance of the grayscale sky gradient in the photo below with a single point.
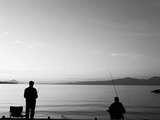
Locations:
(63, 39)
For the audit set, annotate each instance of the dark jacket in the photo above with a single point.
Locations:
(30, 94)
(116, 110)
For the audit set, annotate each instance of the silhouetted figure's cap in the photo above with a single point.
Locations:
(116, 99)
(95, 118)
(31, 83)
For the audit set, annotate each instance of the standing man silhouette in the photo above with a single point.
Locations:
(30, 94)
(116, 110)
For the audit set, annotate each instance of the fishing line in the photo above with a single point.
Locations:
(114, 86)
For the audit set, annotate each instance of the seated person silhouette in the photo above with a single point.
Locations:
(116, 110)
(30, 94)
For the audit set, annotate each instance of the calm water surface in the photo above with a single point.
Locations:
(83, 101)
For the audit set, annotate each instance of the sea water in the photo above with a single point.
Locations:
(83, 101)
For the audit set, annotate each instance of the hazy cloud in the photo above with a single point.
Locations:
(2, 20)
(4, 34)
(29, 44)
(24, 43)
(119, 54)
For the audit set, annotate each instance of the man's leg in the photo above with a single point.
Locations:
(32, 111)
(27, 111)
(122, 117)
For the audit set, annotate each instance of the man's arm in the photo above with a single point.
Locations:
(36, 94)
(109, 108)
(123, 109)
(25, 93)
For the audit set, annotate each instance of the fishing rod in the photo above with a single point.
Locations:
(114, 86)
(116, 92)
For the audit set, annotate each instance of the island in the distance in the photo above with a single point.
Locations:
(9, 82)
(122, 81)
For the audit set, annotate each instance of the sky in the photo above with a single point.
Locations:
(79, 39)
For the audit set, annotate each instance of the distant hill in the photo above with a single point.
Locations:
(9, 82)
(122, 81)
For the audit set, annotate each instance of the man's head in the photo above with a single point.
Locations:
(31, 83)
(116, 99)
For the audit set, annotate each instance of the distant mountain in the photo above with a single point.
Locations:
(122, 81)
(9, 82)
